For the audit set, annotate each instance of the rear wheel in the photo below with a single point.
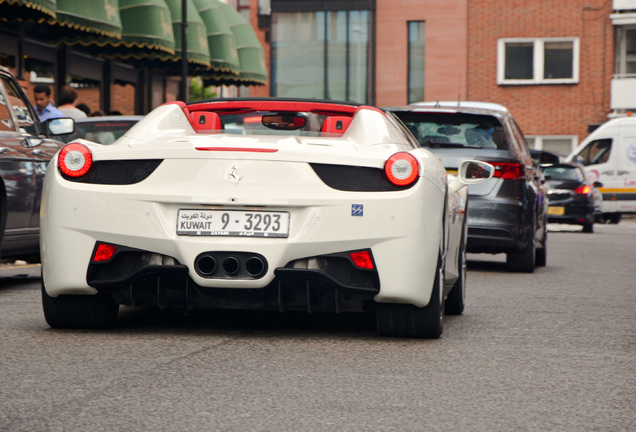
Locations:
(406, 320)
(588, 227)
(541, 254)
(97, 311)
(522, 261)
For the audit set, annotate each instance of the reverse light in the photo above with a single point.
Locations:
(75, 160)
(401, 169)
(583, 190)
(362, 259)
(509, 170)
(104, 252)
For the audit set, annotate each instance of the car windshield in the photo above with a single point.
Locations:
(562, 173)
(100, 131)
(274, 123)
(455, 130)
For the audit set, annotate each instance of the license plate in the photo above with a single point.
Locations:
(557, 211)
(232, 223)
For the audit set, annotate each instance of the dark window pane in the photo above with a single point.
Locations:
(298, 44)
(519, 60)
(336, 55)
(558, 60)
(320, 54)
(630, 51)
(417, 47)
(358, 59)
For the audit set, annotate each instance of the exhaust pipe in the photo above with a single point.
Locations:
(231, 265)
(255, 266)
(205, 265)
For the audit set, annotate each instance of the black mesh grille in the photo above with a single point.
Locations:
(118, 172)
(355, 178)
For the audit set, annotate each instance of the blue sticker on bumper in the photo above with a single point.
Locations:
(357, 210)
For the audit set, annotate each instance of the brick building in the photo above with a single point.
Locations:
(569, 48)
(554, 63)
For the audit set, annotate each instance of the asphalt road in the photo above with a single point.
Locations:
(552, 351)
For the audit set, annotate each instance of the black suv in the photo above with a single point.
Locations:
(507, 214)
(25, 152)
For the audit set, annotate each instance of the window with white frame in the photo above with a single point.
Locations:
(626, 51)
(562, 145)
(538, 61)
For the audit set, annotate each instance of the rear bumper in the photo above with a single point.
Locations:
(498, 226)
(583, 219)
(573, 213)
(291, 290)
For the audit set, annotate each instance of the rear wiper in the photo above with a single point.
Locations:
(442, 144)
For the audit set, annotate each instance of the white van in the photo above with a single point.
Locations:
(609, 156)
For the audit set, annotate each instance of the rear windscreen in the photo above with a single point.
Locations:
(562, 173)
(455, 130)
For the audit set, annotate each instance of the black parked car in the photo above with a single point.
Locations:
(25, 151)
(507, 214)
(571, 195)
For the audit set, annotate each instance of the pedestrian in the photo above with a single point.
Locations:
(66, 103)
(83, 107)
(43, 106)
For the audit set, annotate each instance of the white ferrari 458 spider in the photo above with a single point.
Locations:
(257, 204)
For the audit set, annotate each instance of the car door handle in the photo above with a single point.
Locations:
(623, 172)
(37, 152)
(610, 172)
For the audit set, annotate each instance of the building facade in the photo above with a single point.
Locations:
(562, 67)
(550, 62)
(125, 56)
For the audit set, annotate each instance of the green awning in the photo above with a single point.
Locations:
(146, 32)
(147, 24)
(27, 10)
(197, 48)
(252, 68)
(223, 53)
(99, 17)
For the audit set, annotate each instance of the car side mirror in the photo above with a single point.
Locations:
(472, 172)
(598, 184)
(59, 126)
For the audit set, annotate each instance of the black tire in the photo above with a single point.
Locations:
(614, 218)
(406, 320)
(523, 261)
(588, 227)
(541, 254)
(79, 311)
(455, 302)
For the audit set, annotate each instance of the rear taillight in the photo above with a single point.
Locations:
(104, 252)
(401, 169)
(583, 190)
(362, 259)
(75, 160)
(509, 170)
